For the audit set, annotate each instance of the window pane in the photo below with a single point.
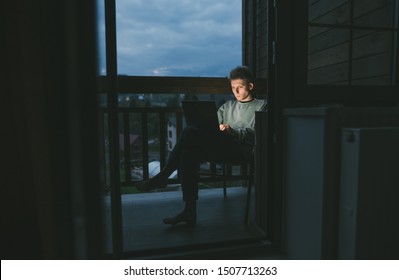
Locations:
(329, 11)
(328, 55)
(372, 58)
(178, 37)
(374, 13)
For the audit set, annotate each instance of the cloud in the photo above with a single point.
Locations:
(178, 37)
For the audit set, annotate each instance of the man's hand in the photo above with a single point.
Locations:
(224, 127)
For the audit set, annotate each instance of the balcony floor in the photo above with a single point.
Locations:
(219, 219)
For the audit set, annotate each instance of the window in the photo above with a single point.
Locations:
(352, 42)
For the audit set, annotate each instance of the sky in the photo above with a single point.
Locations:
(201, 38)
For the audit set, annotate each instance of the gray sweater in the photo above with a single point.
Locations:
(240, 116)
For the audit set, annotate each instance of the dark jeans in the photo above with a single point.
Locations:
(195, 146)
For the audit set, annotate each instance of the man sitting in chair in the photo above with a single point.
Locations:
(233, 143)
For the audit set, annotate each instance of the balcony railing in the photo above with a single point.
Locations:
(146, 136)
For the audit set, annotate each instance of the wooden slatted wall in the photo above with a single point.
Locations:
(255, 31)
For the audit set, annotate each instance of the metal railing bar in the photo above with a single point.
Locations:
(126, 142)
(162, 139)
(144, 131)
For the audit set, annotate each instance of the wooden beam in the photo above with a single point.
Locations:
(173, 85)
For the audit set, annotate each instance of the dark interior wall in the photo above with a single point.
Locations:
(25, 123)
(50, 130)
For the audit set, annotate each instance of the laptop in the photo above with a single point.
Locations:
(201, 114)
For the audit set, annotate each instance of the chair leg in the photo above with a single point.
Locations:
(247, 203)
(249, 189)
(224, 180)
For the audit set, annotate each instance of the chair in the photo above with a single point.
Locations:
(246, 174)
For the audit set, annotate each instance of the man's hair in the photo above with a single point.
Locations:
(241, 72)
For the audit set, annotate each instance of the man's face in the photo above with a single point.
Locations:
(242, 89)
